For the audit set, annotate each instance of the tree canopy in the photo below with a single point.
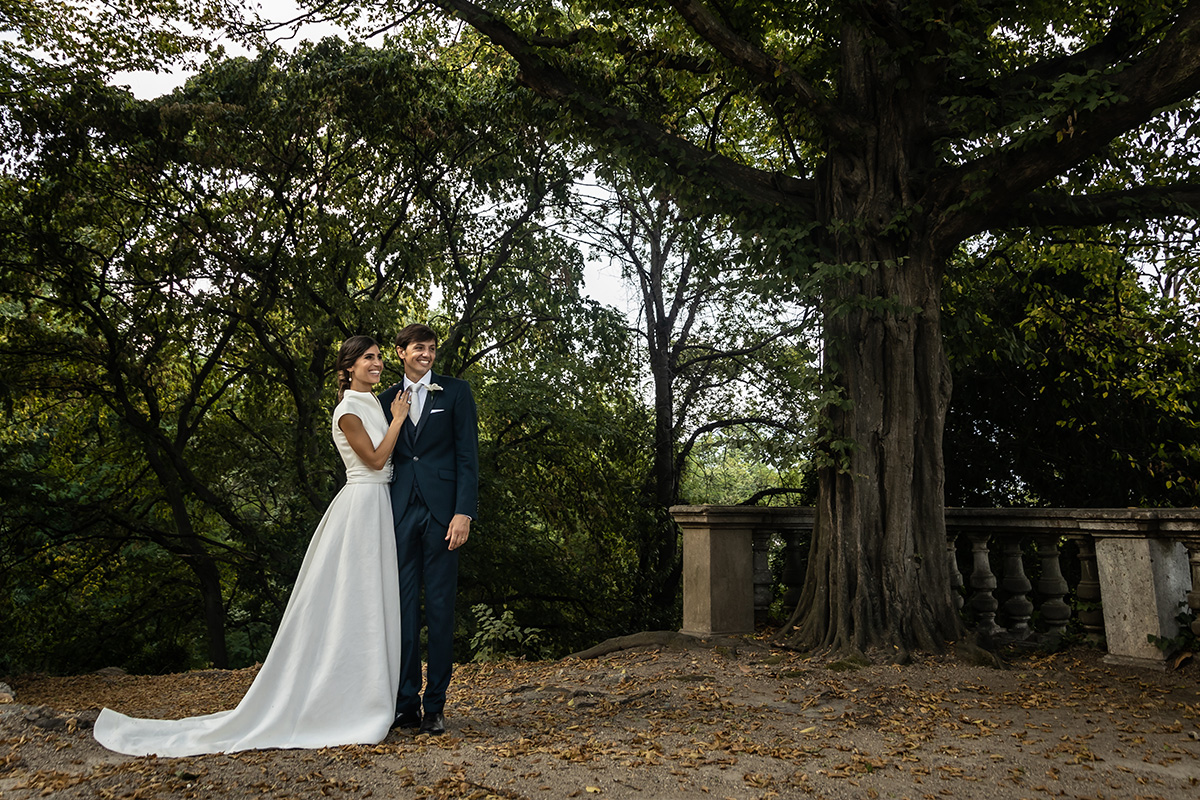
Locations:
(869, 141)
(993, 195)
(1076, 377)
(176, 276)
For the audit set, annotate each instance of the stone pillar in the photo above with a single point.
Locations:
(1144, 581)
(956, 577)
(1017, 608)
(1053, 588)
(718, 570)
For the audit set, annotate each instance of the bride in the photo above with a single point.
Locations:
(332, 673)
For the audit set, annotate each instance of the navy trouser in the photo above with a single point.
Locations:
(425, 561)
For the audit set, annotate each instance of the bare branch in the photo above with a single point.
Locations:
(713, 354)
(778, 490)
(721, 424)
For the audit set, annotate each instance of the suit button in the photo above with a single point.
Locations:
(416, 458)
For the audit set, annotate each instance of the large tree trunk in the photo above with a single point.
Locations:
(878, 573)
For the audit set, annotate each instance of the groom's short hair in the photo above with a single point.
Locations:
(415, 333)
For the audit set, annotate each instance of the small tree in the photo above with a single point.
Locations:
(724, 351)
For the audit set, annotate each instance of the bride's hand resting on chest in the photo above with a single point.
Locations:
(360, 441)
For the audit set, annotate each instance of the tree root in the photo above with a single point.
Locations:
(673, 639)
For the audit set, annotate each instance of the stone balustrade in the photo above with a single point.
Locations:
(1136, 569)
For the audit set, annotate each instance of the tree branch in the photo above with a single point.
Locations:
(771, 72)
(717, 425)
(1124, 37)
(1054, 209)
(686, 158)
(1165, 74)
(713, 354)
(759, 495)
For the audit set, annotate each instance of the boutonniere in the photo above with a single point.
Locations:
(433, 387)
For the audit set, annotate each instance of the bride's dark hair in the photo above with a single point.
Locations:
(348, 353)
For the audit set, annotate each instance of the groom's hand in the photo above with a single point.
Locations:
(459, 530)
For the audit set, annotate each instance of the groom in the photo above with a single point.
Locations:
(435, 489)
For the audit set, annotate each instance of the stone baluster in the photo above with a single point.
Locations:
(763, 583)
(1053, 588)
(1193, 597)
(983, 583)
(1017, 608)
(956, 576)
(1087, 593)
(795, 548)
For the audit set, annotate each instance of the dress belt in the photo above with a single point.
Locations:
(370, 479)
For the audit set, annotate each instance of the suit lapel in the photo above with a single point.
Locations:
(432, 399)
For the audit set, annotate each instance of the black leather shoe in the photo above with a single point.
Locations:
(433, 724)
(407, 719)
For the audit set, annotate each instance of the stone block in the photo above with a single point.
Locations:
(1144, 582)
(718, 581)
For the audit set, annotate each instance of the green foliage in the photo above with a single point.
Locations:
(174, 278)
(86, 38)
(500, 637)
(563, 456)
(1076, 382)
(78, 592)
(1182, 642)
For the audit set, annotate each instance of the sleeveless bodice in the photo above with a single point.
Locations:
(364, 406)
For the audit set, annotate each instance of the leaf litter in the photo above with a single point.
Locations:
(738, 721)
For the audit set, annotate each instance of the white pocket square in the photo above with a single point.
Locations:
(436, 410)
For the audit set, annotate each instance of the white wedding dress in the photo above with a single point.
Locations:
(332, 673)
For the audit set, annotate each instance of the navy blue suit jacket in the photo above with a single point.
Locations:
(440, 458)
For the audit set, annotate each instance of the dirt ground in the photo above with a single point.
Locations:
(738, 720)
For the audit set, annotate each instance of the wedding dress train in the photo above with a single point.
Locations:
(332, 672)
